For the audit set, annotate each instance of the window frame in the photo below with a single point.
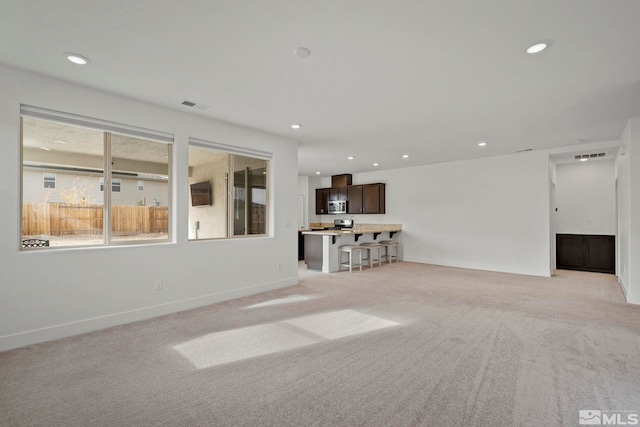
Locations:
(234, 151)
(116, 183)
(107, 128)
(113, 185)
(50, 179)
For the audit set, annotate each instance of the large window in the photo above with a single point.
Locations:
(228, 190)
(93, 197)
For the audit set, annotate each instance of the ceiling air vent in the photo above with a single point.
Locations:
(193, 104)
(589, 156)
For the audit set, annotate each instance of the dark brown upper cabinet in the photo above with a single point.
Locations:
(373, 199)
(338, 193)
(362, 199)
(366, 199)
(354, 196)
(322, 200)
(341, 180)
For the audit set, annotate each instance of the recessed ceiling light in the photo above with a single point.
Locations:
(482, 143)
(45, 148)
(350, 158)
(296, 126)
(405, 156)
(60, 141)
(77, 59)
(317, 173)
(584, 160)
(302, 52)
(538, 47)
(376, 164)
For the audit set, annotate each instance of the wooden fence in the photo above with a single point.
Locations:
(56, 219)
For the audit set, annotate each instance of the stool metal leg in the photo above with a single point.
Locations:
(350, 261)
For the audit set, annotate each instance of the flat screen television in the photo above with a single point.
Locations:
(201, 194)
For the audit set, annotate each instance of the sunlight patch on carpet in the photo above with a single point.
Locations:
(286, 300)
(260, 340)
(339, 324)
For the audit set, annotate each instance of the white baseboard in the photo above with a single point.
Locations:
(629, 297)
(633, 298)
(470, 266)
(49, 333)
(623, 287)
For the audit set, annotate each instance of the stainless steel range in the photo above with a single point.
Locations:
(340, 224)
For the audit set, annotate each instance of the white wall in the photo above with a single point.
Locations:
(634, 212)
(623, 196)
(315, 182)
(629, 211)
(488, 214)
(303, 201)
(54, 293)
(585, 198)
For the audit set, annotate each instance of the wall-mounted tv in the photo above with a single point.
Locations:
(201, 194)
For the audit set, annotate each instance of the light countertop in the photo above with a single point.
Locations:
(358, 229)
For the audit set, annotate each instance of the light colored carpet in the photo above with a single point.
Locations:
(402, 345)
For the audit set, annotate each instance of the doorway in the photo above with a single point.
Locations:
(583, 213)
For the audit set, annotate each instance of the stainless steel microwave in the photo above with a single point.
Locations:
(337, 206)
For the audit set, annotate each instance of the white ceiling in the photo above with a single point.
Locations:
(384, 78)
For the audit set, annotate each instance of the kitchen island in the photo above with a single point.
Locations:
(321, 246)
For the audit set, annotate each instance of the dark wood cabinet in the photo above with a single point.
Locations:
(354, 197)
(362, 199)
(338, 193)
(366, 199)
(341, 180)
(585, 252)
(322, 200)
(300, 246)
(373, 199)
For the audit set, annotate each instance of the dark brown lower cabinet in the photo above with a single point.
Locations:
(586, 252)
(300, 246)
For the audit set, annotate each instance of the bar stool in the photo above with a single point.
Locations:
(373, 246)
(389, 255)
(350, 250)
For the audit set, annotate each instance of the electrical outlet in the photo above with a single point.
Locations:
(159, 285)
